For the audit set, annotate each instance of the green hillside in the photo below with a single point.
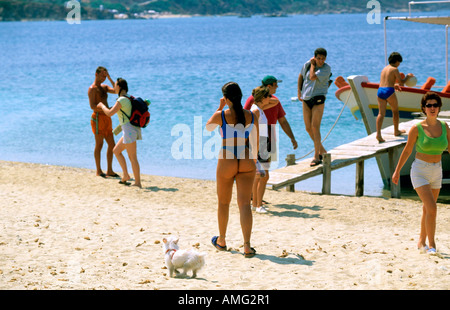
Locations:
(96, 9)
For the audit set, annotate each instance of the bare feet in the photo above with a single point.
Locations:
(380, 139)
(399, 133)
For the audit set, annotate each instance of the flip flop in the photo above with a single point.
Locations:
(115, 175)
(250, 254)
(216, 245)
(124, 183)
(102, 175)
(315, 162)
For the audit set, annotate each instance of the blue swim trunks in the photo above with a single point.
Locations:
(385, 92)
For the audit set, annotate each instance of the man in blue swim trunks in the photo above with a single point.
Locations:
(386, 93)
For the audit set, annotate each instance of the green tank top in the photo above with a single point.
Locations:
(429, 145)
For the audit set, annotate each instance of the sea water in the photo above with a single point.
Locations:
(181, 64)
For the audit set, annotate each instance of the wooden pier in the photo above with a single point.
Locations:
(355, 152)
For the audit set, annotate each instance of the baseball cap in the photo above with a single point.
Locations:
(270, 79)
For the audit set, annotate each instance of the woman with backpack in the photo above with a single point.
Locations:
(131, 133)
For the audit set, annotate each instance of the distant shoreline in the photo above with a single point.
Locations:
(171, 15)
(162, 16)
(44, 10)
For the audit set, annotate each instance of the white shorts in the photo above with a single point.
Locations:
(423, 173)
(131, 133)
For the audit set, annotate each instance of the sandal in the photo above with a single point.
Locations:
(250, 254)
(315, 162)
(432, 251)
(423, 249)
(216, 245)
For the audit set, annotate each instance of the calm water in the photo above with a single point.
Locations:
(181, 65)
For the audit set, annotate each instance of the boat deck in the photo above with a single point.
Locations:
(355, 152)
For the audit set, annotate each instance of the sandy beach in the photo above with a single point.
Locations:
(65, 228)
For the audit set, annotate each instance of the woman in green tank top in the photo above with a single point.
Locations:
(431, 138)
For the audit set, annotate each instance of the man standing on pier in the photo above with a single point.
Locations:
(313, 82)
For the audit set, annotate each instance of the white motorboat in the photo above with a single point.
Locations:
(360, 96)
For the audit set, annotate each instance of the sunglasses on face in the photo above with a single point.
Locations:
(434, 105)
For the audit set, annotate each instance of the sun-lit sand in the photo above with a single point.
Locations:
(65, 228)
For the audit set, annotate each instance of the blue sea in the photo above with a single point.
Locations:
(180, 64)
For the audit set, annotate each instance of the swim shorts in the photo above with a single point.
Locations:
(385, 92)
(317, 100)
(101, 124)
(423, 173)
(131, 133)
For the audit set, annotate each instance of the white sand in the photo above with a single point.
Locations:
(65, 228)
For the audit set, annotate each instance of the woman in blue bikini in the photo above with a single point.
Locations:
(236, 161)
(386, 93)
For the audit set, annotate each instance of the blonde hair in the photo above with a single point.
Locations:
(260, 92)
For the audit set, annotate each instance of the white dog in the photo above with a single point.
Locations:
(186, 259)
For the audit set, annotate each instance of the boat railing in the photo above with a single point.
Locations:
(410, 3)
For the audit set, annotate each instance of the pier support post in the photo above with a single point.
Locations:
(395, 188)
(290, 160)
(326, 181)
(359, 182)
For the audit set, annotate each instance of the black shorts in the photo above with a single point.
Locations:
(317, 100)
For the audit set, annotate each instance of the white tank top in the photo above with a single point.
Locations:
(263, 129)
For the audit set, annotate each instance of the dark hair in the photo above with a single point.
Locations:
(232, 91)
(100, 69)
(394, 57)
(320, 51)
(123, 85)
(430, 96)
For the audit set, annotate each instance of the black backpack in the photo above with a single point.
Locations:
(140, 115)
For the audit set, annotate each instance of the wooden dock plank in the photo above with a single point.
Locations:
(341, 156)
(350, 152)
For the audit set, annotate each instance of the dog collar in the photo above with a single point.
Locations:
(171, 257)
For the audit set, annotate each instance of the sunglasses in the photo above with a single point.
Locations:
(434, 105)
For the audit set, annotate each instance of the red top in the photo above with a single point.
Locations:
(272, 114)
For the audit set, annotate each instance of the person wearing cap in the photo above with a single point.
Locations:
(313, 82)
(275, 113)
